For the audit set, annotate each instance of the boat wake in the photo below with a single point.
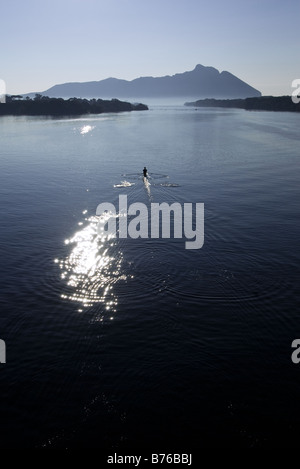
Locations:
(124, 184)
(153, 179)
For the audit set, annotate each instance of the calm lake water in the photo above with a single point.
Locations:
(141, 343)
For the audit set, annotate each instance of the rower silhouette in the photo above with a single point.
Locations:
(145, 172)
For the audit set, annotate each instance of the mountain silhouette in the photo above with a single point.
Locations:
(202, 82)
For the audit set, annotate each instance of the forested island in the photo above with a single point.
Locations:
(263, 103)
(44, 106)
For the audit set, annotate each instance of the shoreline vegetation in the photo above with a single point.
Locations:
(263, 103)
(45, 106)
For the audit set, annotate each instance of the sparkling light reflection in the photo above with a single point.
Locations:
(86, 128)
(92, 267)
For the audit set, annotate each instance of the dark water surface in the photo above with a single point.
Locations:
(127, 343)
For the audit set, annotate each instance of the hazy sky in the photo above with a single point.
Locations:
(44, 43)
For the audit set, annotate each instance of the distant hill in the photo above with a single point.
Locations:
(202, 82)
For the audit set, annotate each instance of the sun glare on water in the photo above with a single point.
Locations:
(92, 267)
(86, 128)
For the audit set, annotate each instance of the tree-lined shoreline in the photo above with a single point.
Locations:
(263, 103)
(43, 105)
